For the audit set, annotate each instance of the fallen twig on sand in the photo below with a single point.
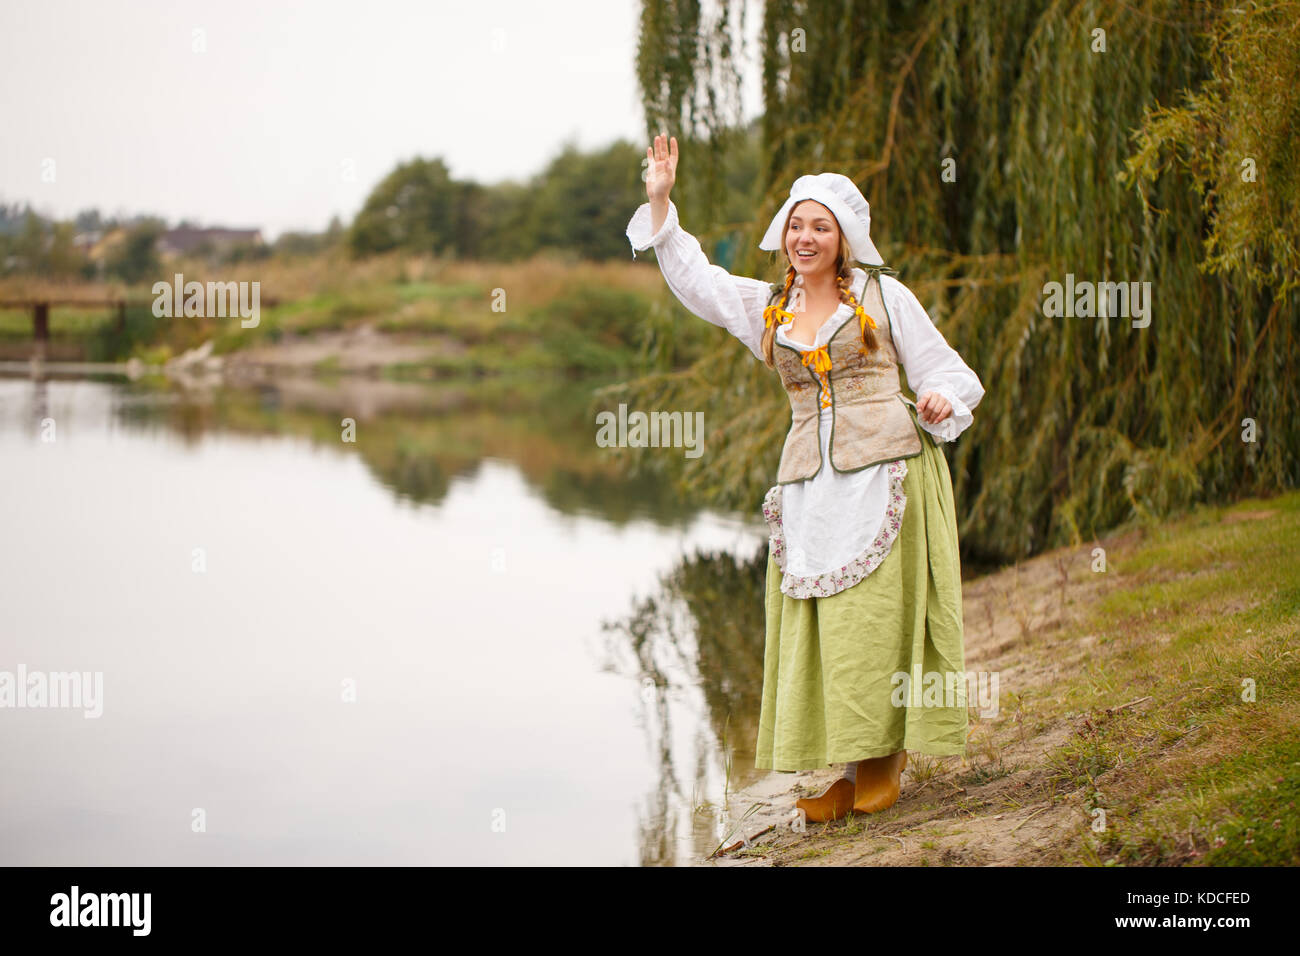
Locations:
(739, 843)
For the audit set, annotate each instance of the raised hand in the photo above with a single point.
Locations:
(661, 168)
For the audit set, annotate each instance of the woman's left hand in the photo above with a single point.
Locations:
(933, 407)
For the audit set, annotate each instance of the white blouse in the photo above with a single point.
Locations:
(834, 528)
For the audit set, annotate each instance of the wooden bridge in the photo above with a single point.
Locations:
(40, 304)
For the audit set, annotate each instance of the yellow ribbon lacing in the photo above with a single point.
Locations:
(818, 359)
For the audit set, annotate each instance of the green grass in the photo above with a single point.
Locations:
(1261, 826)
(1197, 774)
(587, 319)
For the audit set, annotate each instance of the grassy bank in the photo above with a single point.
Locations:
(459, 318)
(1148, 714)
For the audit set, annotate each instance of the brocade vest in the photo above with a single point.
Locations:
(871, 421)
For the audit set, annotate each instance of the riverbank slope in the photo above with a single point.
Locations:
(1148, 715)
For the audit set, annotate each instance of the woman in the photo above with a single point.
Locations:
(864, 655)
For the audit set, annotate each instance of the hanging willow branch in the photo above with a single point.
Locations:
(1065, 161)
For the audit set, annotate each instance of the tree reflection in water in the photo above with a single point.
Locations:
(696, 643)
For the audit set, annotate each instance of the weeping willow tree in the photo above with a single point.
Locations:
(1002, 147)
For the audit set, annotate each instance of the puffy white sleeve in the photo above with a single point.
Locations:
(931, 364)
(735, 303)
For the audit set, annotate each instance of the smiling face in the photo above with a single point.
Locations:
(812, 239)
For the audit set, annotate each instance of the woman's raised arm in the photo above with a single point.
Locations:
(734, 303)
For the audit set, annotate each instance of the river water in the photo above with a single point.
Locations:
(453, 640)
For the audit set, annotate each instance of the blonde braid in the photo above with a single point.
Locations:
(775, 314)
(866, 321)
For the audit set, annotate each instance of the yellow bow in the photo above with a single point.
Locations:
(863, 319)
(778, 313)
(820, 359)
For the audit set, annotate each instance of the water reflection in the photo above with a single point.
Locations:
(552, 663)
(418, 437)
(696, 647)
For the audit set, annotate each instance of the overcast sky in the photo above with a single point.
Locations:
(280, 113)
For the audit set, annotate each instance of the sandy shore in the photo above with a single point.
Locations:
(360, 351)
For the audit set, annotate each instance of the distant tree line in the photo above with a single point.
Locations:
(579, 203)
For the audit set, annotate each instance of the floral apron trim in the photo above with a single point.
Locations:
(832, 582)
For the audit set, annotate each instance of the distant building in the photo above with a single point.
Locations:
(99, 251)
(86, 241)
(187, 240)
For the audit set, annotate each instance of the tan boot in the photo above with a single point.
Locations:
(878, 782)
(834, 803)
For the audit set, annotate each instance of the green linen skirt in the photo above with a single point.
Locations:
(833, 690)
